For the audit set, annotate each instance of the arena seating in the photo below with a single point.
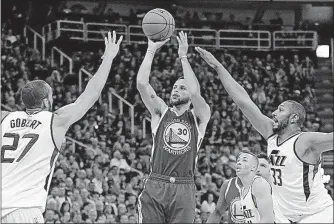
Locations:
(91, 182)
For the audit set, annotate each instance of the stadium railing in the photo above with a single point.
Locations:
(145, 120)
(295, 40)
(120, 102)
(51, 31)
(97, 31)
(239, 39)
(198, 37)
(246, 39)
(61, 57)
(34, 40)
(76, 30)
(74, 143)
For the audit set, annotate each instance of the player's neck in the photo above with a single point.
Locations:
(33, 111)
(246, 180)
(180, 109)
(287, 133)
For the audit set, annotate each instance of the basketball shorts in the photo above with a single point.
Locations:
(167, 199)
(24, 215)
(324, 216)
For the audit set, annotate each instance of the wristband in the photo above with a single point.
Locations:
(184, 56)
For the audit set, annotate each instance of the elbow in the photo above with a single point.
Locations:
(141, 84)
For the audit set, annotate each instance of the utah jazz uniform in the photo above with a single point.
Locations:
(169, 193)
(28, 156)
(298, 188)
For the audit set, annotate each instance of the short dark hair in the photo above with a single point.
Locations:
(33, 93)
(263, 156)
(250, 153)
(297, 108)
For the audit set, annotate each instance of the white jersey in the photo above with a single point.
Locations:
(298, 187)
(248, 205)
(28, 156)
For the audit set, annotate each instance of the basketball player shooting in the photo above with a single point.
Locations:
(295, 156)
(31, 141)
(169, 192)
(247, 197)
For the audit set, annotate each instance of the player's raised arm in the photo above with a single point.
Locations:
(201, 108)
(67, 115)
(263, 198)
(152, 102)
(319, 142)
(261, 123)
(221, 207)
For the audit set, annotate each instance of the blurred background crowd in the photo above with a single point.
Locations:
(102, 183)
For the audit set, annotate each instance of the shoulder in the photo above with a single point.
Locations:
(307, 137)
(4, 114)
(271, 137)
(260, 185)
(225, 186)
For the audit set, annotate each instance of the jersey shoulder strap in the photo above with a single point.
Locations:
(228, 187)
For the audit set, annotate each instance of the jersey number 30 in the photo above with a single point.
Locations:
(13, 147)
(277, 176)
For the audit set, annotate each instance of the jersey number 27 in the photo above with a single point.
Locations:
(13, 147)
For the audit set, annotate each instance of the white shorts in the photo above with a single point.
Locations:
(279, 217)
(325, 216)
(24, 215)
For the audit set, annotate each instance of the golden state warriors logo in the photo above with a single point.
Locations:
(177, 137)
(236, 213)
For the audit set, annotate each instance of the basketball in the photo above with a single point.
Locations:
(158, 24)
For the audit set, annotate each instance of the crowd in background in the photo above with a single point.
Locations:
(102, 183)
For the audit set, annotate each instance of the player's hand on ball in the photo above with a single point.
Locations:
(154, 46)
(182, 39)
(112, 47)
(208, 57)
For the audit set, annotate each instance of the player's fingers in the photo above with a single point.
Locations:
(120, 40)
(165, 41)
(178, 39)
(109, 37)
(199, 50)
(106, 41)
(186, 36)
(181, 36)
(114, 36)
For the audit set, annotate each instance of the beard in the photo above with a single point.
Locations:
(281, 125)
(178, 102)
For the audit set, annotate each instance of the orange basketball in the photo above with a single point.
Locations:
(158, 24)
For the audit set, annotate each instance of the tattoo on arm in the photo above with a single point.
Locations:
(153, 96)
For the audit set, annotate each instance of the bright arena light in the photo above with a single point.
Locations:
(323, 51)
